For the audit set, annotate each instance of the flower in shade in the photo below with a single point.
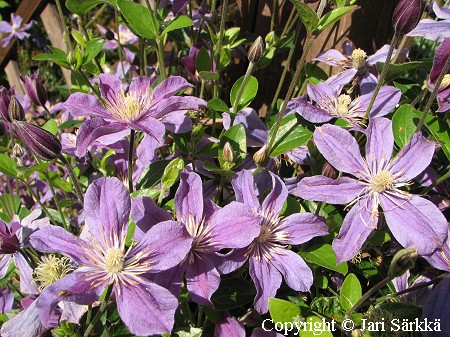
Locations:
(5, 99)
(138, 108)
(104, 260)
(212, 229)
(228, 325)
(34, 88)
(331, 104)
(432, 29)
(14, 29)
(268, 255)
(441, 56)
(413, 221)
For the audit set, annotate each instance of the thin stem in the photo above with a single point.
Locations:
(383, 74)
(75, 182)
(272, 19)
(99, 313)
(219, 45)
(116, 16)
(434, 94)
(242, 87)
(436, 182)
(55, 197)
(130, 160)
(36, 198)
(96, 15)
(66, 28)
(399, 49)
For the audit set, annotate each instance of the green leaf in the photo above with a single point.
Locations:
(351, 291)
(172, 172)
(404, 124)
(59, 59)
(313, 321)
(237, 139)
(203, 60)
(439, 129)
(231, 35)
(209, 75)
(249, 93)
(307, 15)
(218, 105)
(79, 38)
(8, 166)
(70, 124)
(51, 126)
(334, 16)
(283, 311)
(152, 174)
(398, 70)
(42, 167)
(152, 193)
(139, 18)
(289, 136)
(180, 22)
(233, 293)
(81, 7)
(211, 167)
(92, 49)
(323, 255)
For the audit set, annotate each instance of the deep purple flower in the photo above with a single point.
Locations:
(406, 15)
(269, 258)
(138, 108)
(14, 29)
(213, 229)
(441, 56)
(414, 221)
(144, 307)
(5, 99)
(34, 88)
(331, 104)
(432, 29)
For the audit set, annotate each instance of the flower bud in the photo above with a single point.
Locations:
(406, 15)
(261, 157)
(15, 110)
(256, 50)
(41, 142)
(403, 260)
(34, 88)
(329, 171)
(228, 153)
(5, 99)
(197, 134)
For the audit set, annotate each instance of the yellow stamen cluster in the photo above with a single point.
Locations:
(358, 58)
(382, 181)
(114, 259)
(50, 270)
(343, 103)
(128, 107)
(445, 81)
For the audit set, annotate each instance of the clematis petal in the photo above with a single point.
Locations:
(441, 12)
(302, 227)
(232, 260)
(146, 308)
(357, 226)
(150, 126)
(368, 83)
(27, 285)
(413, 158)
(380, 55)
(228, 326)
(380, 142)
(141, 85)
(53, 239)
(274, 201)
(338, 81)
(145, 213)
(331, 57)
(267, 280)
(432, 30)
(333, 191)
(308, 111)
(107, 208)
(295, 271)
(415, 222)
(169, 87)
(234, 226)
(169, 243)
(245, 191)
(255, 129)
(189, 197)
(26, 323)
(320, 93)
(109, 86)
(340, 149)
(202, 279)
(386, 100)
(441, 55)
(436, 308)
(79, 104)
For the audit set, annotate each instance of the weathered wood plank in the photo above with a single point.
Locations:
(12, 74)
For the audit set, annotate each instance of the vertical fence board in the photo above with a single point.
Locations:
(12, 73)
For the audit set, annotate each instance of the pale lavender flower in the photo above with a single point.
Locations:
(138, 108)
(269, 258)
(413, 221)
(441, 56)
(228, 325)
(143, 306)
(432, 29)
(6, 300)
(331, 104)
(212, 229)
(14, 29)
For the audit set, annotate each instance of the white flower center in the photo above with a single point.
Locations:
(358, 58)
(129, 107)
(343, 103)
(382, 181)
(114, 259)
(264, 234)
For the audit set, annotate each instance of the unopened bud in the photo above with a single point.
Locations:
(329, 171)
(71, 59)
(41, 142)
(15, 110)
(261, 157)
(197, 134)
(403, 260)
(18, 151)
(34, 88)
(109, 34)
(406, 15)
(256, 50)
(228, 153)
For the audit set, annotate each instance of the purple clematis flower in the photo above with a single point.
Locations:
(139, 108)
(34, 88)
(228, 325)
(441, 56)
(269, 258)
(330, 104)
(434, 30)
(14, 29)
(212, 229)
(414, 221)
(143, 306)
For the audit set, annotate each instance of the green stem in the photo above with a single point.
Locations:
(120, 48)
(96, 15)
(242, 87)
(219, 45)
(130, 160)
(66, 36)
(58, 205)
(99, 313)
(434, 94)
(436, 182)
(76, 184)
(160, 50)
(383, 74)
